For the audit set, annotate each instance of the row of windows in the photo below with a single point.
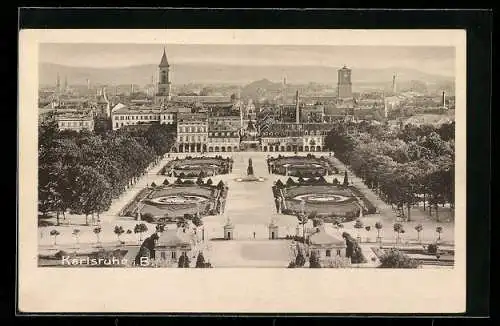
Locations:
(306, 140)
(192, 139)
(74, 124)
(192, 129)
(145, 117)
(173, 254)
(121, 124)
(224, 140)
(228, 133)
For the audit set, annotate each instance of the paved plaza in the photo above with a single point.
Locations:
(250, 207)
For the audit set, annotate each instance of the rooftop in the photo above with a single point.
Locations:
(324, 238)
(174, 238)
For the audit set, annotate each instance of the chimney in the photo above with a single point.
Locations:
(443, 99)
(394, 83)
(297, 114)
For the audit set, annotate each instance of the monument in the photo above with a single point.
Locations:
(250, 168)
(250, 175)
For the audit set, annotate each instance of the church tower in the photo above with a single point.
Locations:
(344, 86)
(163, 93)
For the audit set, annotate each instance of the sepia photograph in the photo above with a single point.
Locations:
(220, 153)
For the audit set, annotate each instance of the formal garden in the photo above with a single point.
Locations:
(301, 166)
(170, 201)
(193, 167)
(317, 198)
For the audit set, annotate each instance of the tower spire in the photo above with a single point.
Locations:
(164, 61)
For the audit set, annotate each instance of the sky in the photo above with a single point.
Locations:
(429, 59)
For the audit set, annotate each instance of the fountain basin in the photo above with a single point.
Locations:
(250, 178)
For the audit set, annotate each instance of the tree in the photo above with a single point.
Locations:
(148, 217)
(178, 181)
(200, 261)
(209, 182)
(91, 191)
(419, 229)
(76, 234)
(220, 185)
(97, 232)
(398, 228)
(314, 260)
(439, 230)
(395, 259)
(165, 182)
(279, 184)
(432, 248)
(160, 228)
(197, 221)
(199, 181)
(346, 179)
(119, 231)
(153, 185)
(290, 182)
(54, 233)
(140, 228)
(183, 261)
(300, 260)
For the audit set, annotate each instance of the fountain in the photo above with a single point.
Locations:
(250, 176)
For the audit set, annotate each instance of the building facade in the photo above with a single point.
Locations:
(223, 133)
(291, 137)
(75, 122)
(174, 243)
(192, 132)
(327, 247)
(123, 115)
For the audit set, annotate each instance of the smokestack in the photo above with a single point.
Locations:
(394, 83)
(88, 84)
(131, 88)
(58, 82)
(297, 114)
(444, 99)
(385, 107)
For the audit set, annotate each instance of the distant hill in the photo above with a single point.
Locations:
(211, 73)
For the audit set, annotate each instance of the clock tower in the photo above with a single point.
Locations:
(344, 86)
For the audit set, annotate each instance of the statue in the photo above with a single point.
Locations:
(250, 167)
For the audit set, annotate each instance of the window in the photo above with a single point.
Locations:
(181, 139)
(338, 252)
(328, 253)
(174, 255)
(163, 256)
(116, 125)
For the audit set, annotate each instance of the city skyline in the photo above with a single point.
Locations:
(438, 60)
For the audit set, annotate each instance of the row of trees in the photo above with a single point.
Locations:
(412, 165)
(118, 231)
(82, 172)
